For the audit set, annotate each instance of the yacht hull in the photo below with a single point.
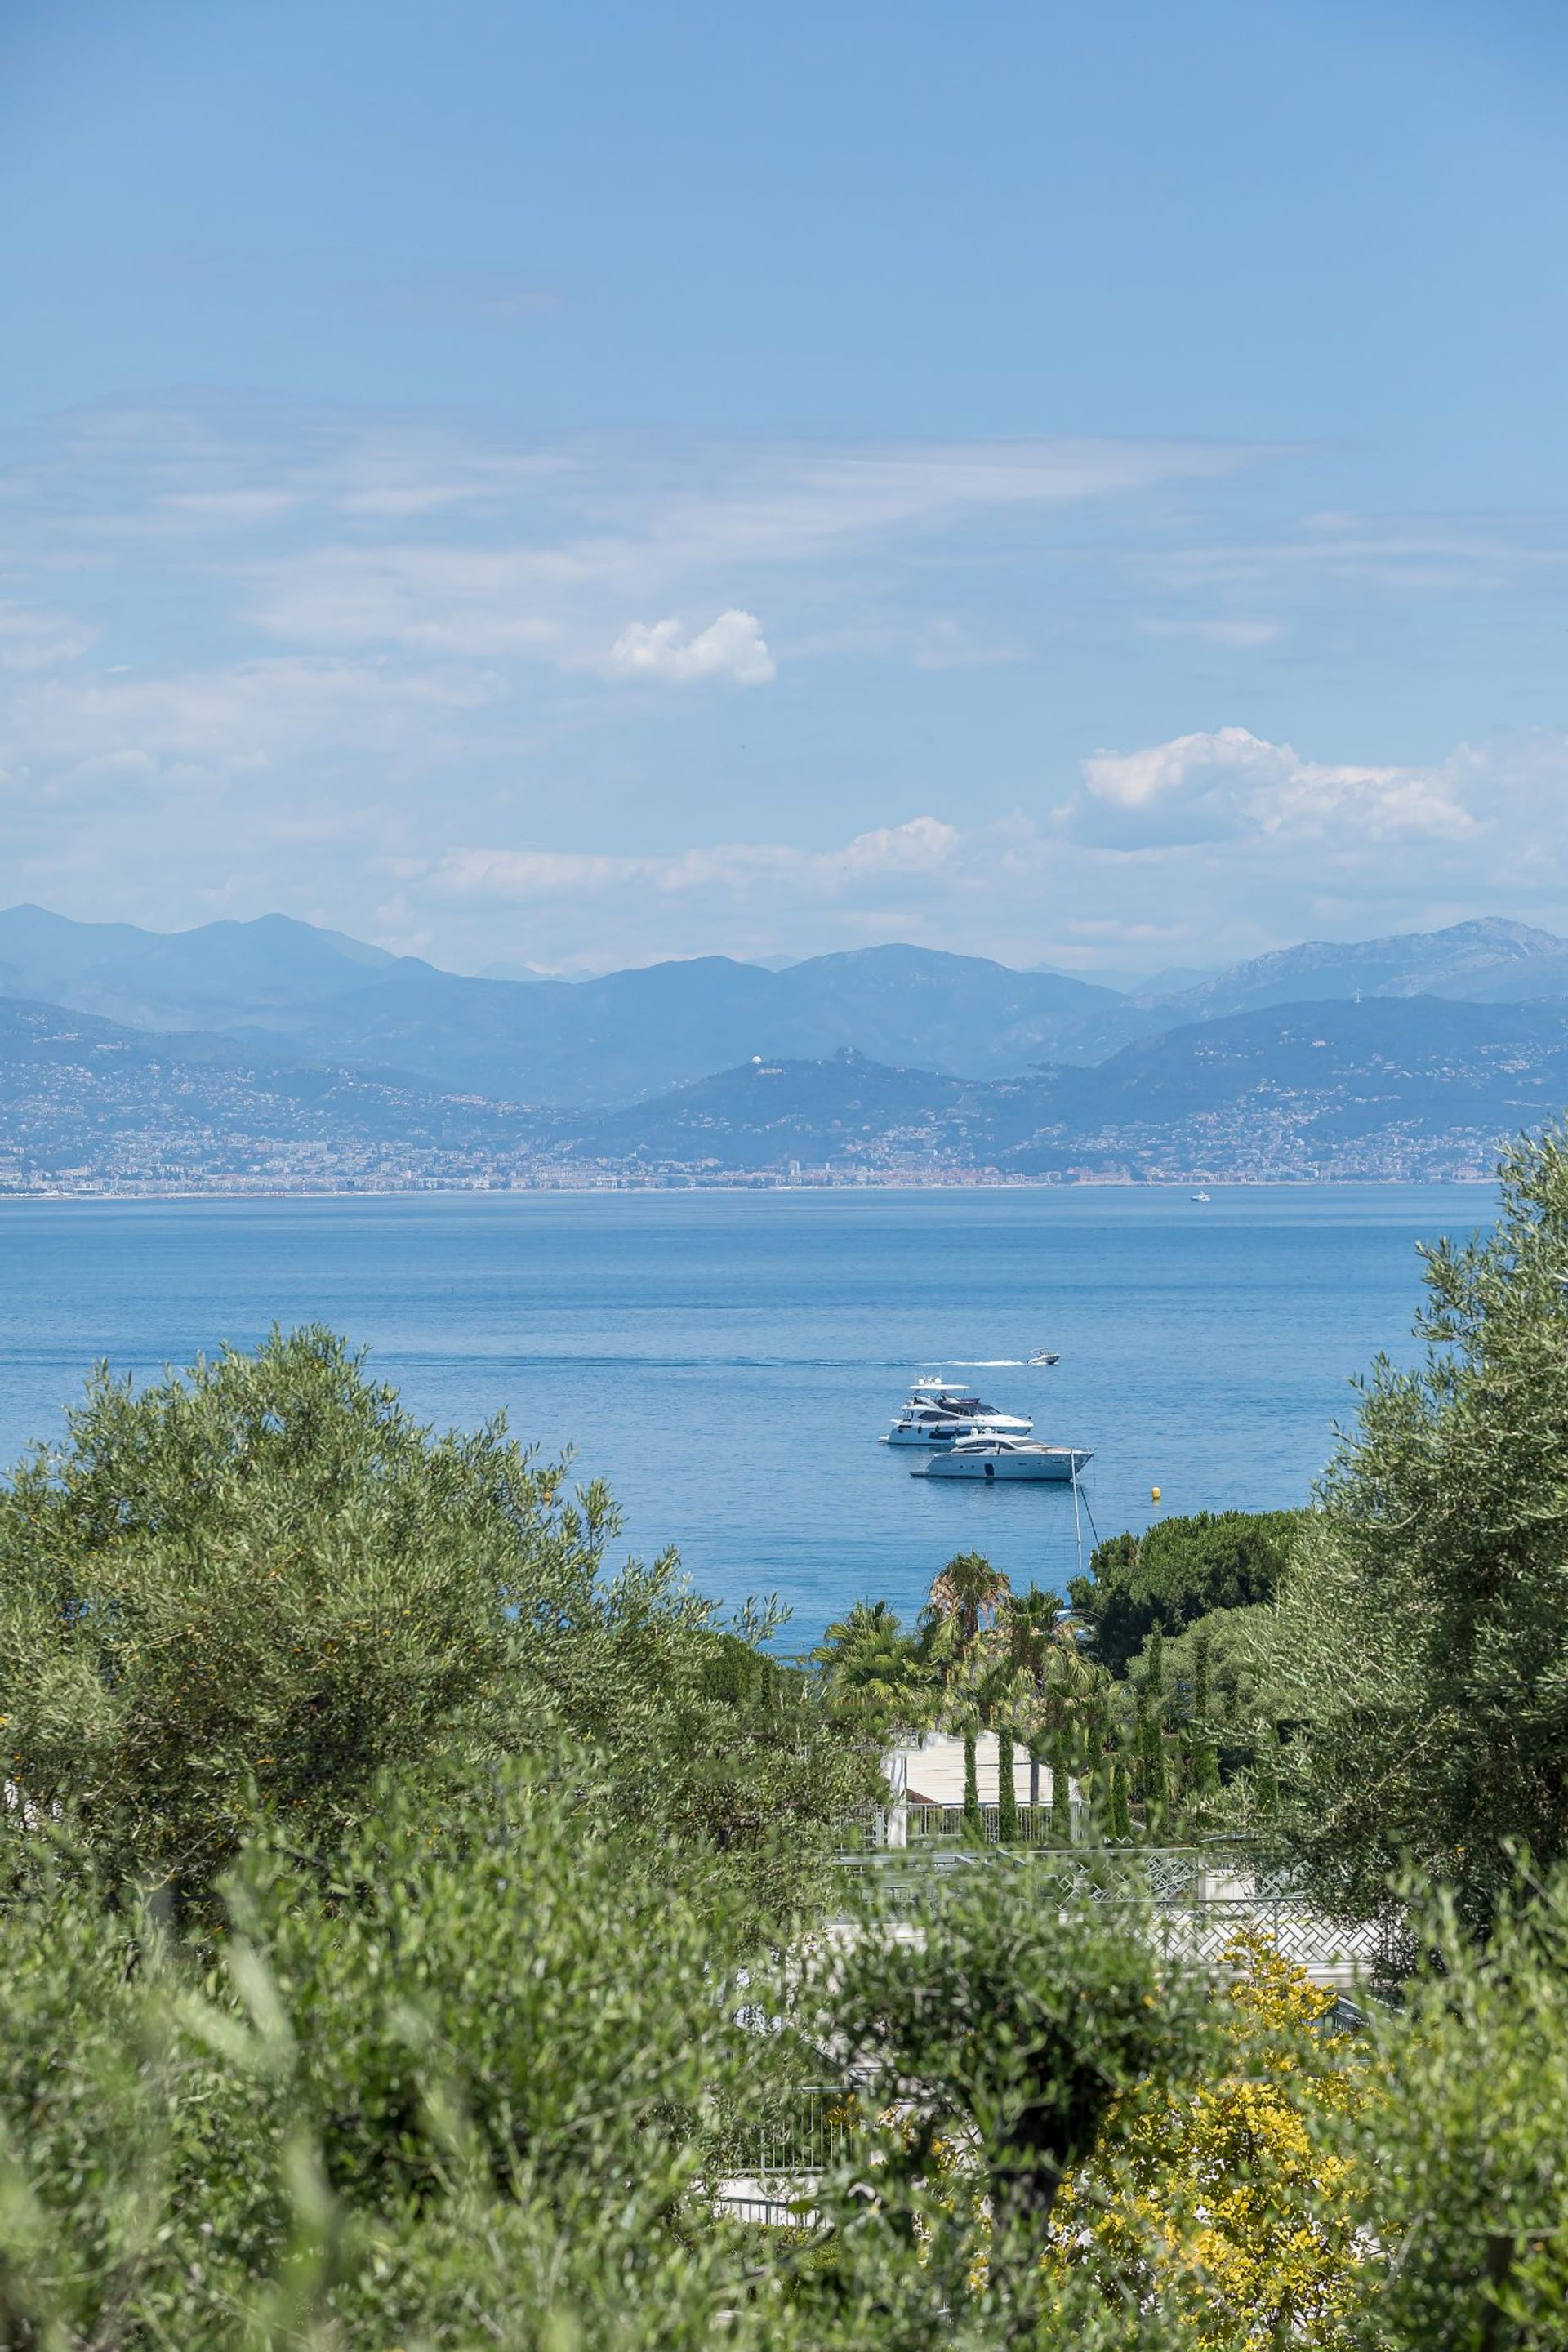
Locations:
(1053, 1467)
(931, 1435)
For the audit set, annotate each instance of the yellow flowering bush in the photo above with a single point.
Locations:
(1233, 2201)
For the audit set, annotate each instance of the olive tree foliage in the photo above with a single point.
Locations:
(253, 1588)
(1422, 1648)
(473, 2077)
(432, 2096)
(996, 2020)
(476, 2080)
(1459, 2153)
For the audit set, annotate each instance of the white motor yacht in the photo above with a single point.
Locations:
(987, 1456)
(1046, 1356)
(936, 1415)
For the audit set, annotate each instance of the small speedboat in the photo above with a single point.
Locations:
(1045, 1356)
(986, 1456)
(1200, 1196)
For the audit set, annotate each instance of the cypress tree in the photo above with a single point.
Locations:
(1203, 1754)
(1227, 1690)
(1149, 1746)
(1203, 1648)
(1120, 1825)
(1205, 1758)
(1006, 1795)
(972, 1825)
(1061, 1791)
(1156, 1779)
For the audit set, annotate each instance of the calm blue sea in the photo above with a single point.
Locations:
(727, 1360)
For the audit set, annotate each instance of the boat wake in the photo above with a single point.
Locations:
(982, 1363)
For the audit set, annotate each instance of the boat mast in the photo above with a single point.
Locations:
(1077, 1521)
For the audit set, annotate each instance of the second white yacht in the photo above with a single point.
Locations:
(936, 1415)
(1005, 1457)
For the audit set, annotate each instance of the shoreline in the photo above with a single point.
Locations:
(422, 1188)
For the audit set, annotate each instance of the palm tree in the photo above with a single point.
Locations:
(961, 1606)
(968, 1593)
(1057, 1682)
(1061, 1693)
(875, 1673)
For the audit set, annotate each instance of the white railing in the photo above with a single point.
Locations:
(1194, 1900)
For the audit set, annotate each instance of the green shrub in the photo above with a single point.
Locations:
(466, 2079)
(1459, 2156)
(248, 1592)
(1177, 1571)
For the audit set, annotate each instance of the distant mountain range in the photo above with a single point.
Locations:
(550, 1042)
(209, 978)
(236, 1041)
(1411, 1085)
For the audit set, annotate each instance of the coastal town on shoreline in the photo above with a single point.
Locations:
(307, 1173)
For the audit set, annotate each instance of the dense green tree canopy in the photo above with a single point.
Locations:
(259, 1585)
(1177, 1570)
(1423, 1647)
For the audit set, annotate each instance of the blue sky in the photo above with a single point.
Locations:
(565, 486)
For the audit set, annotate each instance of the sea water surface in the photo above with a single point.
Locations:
(727, 1360)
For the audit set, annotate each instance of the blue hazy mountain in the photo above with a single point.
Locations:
(634, 1034)
(767, 1112)
(629, 1034)
(556, 1044)
(206, 978)
(1388, 1085)
(1339, 1086)
(1486, 961)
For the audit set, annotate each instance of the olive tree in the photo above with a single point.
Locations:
(1422, 1645)
(247, 1590)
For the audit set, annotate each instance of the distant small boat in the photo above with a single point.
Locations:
(1200, 1196)
(1005, 1457)
(1045, 1356)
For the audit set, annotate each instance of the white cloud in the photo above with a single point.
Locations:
(30, 639)
(732, 647)
(544, 550)
(1241, 634)
(923, 846)
(1231, 783)
(242, 715)
(1135, 780)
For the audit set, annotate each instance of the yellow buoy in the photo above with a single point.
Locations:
(1154, 1493)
